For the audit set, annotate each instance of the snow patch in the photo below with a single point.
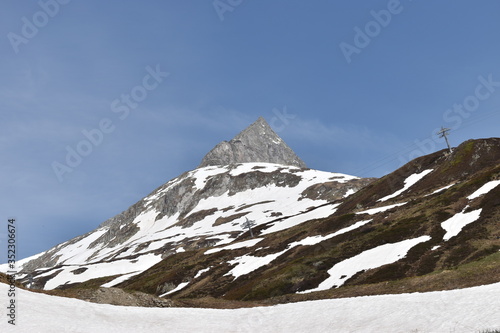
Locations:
(381, 209)
(409, 182)
(201, 271)
(455, 224)
(484, 189)
(318, 239)
(440, 190)
(349, 192)
(120, 279)
(239, 245)
(247, 264)
(202, 175)
(290, 222)
(179, 287)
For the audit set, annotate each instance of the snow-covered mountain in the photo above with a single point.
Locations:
(433, 224)
(202, 208)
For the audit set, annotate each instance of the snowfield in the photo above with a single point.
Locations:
(467, 310)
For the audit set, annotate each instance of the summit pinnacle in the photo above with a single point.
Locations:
(257, 143)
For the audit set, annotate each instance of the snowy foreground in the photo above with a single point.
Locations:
(467, 310)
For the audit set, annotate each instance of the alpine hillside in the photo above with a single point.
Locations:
(433, 224)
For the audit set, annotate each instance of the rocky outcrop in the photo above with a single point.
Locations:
(116, 296)
(257, 143)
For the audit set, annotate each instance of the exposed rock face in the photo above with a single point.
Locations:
(257, 143)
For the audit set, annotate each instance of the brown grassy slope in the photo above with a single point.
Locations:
(5, 279)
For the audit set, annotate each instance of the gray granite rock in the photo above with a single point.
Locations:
(256, 143)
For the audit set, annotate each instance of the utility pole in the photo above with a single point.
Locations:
(443, 133)
(248, 225)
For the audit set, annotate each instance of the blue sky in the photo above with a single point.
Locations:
(353, 87)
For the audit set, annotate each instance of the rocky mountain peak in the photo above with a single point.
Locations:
(257, 143)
